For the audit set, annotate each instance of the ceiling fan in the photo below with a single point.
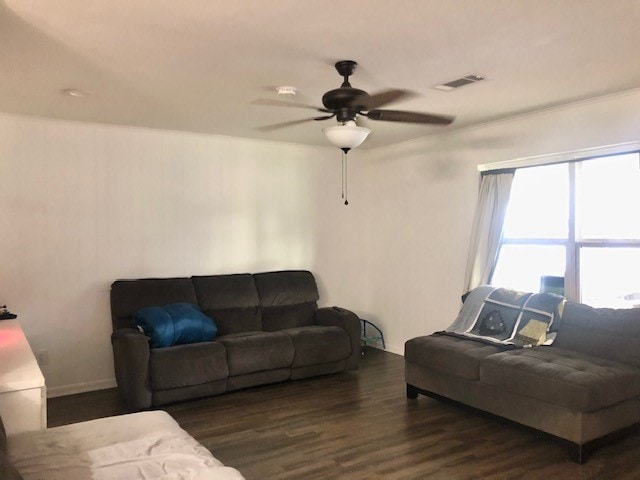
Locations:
(346, 103)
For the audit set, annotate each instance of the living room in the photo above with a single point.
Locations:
(87, 202)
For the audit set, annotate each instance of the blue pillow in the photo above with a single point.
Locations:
(175, 324)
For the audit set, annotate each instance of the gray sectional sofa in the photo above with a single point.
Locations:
(584, 389)
(270, 329)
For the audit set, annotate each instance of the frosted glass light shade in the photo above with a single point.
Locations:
(348, 135)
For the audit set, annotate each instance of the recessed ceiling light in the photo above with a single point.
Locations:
(74, 92)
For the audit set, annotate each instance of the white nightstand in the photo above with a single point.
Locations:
(23, 393)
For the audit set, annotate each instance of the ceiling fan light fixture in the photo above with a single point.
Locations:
(346, 136)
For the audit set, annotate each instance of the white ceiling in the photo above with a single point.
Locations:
(196, 65)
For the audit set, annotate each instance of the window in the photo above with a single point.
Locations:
(579, 221)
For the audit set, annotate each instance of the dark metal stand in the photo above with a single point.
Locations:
(366, 338)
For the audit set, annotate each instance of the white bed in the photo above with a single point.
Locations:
(145, 445)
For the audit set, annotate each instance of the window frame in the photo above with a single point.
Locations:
(572, 243)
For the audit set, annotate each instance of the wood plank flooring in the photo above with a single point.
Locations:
(361, 426)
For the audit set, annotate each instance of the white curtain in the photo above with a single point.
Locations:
(487, 227)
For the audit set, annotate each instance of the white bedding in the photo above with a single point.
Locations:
(139, 446)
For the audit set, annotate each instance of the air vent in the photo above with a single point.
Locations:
(459, 82)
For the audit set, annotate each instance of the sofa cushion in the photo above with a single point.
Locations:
(290, 316)
(232, 300)
(236, 320)
(318, 345)
(608, 333)
(144, 445)
(450, 355)
(7, 470)
(290, 287)
(3, 438)
(562, 377)
(251, 352)
(176, 324)
(226, 291)
(129, 296)
(187, 365)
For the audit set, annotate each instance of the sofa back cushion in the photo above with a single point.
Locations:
(231, 300)
(608, 333)
(129, 296)
(288, 298)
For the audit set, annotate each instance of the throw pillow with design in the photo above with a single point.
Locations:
(509, 317)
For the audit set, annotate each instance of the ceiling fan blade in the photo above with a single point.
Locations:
(373, 101)
(325, 117)
(283, 103)
(290, 123)
(409, 117)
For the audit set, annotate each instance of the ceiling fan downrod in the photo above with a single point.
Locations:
(345, 69)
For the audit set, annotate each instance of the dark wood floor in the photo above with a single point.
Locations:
(362, 426)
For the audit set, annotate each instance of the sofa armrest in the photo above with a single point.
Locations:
(340, 317)
(131, 362)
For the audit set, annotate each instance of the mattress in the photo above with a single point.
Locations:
(138, 446)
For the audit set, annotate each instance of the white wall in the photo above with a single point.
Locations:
(82, 205)
(421, 196)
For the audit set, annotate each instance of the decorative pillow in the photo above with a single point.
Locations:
(175, 324)
(509, 317)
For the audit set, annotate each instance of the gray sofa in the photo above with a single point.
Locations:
(584, 389)
(270, 329)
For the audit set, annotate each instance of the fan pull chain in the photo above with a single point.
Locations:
(343, 154)
(345, 187)
(345, 150)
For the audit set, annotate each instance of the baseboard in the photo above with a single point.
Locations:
(398, 350)
(64, 390)
(390, 348)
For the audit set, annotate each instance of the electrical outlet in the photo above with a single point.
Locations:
(42, 357)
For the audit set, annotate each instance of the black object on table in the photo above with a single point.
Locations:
(6, 314)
